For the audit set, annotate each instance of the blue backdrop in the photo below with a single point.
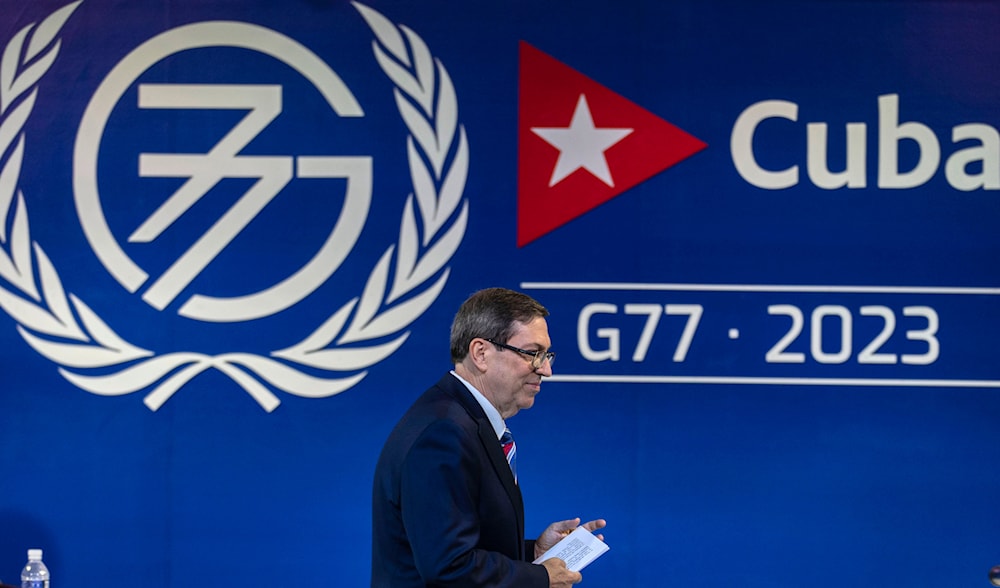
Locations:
(233, 235)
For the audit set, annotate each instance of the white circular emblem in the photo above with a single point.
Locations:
(205, 170)
(404, 283)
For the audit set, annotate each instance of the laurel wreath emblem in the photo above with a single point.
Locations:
(61, 327)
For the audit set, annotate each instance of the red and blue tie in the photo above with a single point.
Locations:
(510, 451)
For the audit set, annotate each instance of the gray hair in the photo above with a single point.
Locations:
(491, 314)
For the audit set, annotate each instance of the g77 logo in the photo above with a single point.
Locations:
(204, 171)
(366, 329)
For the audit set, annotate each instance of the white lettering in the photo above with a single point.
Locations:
(853, 175)
(970, 168)
(741, 145)
(890, 133)
(987, 154)
(611, 335)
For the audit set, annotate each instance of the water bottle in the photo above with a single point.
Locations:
(35, 574)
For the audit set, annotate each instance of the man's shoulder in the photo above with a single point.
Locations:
(448, 398)
(439, 413)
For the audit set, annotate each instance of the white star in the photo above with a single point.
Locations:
(581, 145)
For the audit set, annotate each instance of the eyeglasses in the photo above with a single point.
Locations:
(537, 357)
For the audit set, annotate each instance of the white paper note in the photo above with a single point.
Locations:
(577, 549)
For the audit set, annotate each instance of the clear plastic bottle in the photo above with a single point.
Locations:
(35, 574)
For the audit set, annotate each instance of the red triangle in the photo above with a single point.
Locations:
(550, 94)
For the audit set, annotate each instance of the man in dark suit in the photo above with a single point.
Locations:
(446, 508)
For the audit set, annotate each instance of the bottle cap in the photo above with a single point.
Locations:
(35, 554)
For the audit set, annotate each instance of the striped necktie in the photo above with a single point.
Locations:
(510, 451)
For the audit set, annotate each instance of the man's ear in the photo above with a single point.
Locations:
(478, 350)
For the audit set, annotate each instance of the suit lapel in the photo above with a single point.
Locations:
(490, 442)
(488, 437)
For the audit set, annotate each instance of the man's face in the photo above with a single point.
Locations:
(512, 382)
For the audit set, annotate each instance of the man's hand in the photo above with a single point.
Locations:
(559, 575)
(556, 531)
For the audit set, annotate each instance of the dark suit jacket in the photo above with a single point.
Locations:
(445, 508)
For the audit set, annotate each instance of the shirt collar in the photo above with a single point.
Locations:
(491, 412)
